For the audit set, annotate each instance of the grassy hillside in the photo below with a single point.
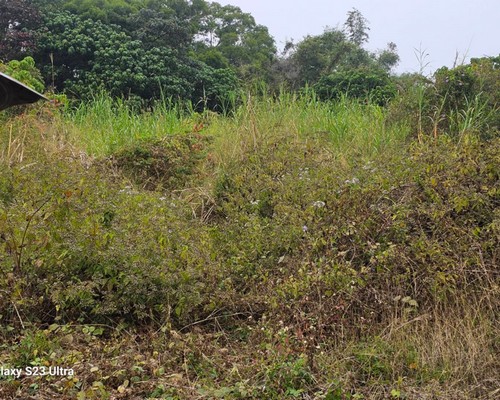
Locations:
(290, 249)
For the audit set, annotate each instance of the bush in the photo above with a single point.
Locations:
(364, 84)
(469, 97)
(167, 163)
(458, 101)
(76, 247)
(323, 240)
(24, 71)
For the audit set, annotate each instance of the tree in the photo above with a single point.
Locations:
(18, 19)
(228, 33)
(156, 29)
(388, 58)
(89, 56)
(171, 23)
(319, 55)
(24, 71)
(356, 27)
(156, 23)
(335, 52)
(107, 11)
(212, 87)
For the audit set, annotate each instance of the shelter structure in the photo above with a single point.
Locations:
(13, 92)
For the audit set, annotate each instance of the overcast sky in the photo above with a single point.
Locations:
(441, 28)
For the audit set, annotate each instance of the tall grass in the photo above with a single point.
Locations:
(473, 118)
(102, 126)
(344, 127)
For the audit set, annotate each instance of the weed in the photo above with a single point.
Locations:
(290, 249)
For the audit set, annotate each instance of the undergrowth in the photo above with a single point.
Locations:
(290, 249)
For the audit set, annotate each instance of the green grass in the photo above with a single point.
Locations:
(104, 125)
(347, 126)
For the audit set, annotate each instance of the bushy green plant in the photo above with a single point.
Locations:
(24, 71)
(288, 379)
(457, 101)
(77, 261)
(338, 238)
(365, 84)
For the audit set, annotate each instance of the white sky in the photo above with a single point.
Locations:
(441, 28)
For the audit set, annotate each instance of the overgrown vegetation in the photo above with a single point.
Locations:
(331, 232)
(292, 249)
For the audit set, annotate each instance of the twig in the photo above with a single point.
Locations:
(18, 315)
(21, 244)
(211, 317)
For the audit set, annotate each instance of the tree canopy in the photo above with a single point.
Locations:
(130, 49)
(336, 62)
(18, 21)
(189, 49)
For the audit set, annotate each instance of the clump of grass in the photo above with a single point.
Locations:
(456, 346)
(105, 125)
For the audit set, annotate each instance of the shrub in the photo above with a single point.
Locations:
(331, 241)
(79, 249)
(167, 163)
(24, 71)
(457, 101)
(364, 84)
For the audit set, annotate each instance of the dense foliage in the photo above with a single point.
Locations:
(364, 84)
(454, 100)
(24, 71)
(18, 21)
(204, 52)
(292, 248)
(333, 233)
(470, 93)
(90, 56)
(191, 50)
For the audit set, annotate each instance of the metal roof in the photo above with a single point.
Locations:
(13, 92)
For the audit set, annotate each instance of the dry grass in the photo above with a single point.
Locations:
(456, 345)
